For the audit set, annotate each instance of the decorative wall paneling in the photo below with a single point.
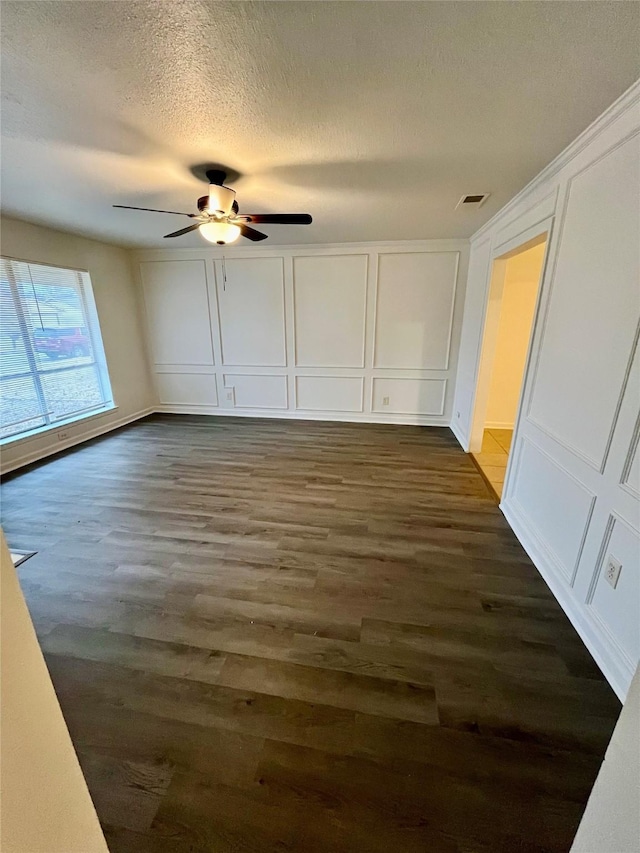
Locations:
(177, 306)
(340, 333)
(572, 490)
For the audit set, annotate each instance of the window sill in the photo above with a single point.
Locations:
(39, 432)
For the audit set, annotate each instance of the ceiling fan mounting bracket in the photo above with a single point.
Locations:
(215, 173)
(216, 176)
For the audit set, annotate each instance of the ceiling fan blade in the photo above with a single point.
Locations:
(251, 233)
(154, 210)
(280, 218)
(183, 231)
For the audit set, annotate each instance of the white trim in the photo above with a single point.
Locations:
(152, 253)
(598, 466)
(617, 670)
(42, 453)
(553, 557)
(33, 434)
(498, 255)
(307, 415)
(294, 321)
(444, 383)
(454, 294)
(224, 363)
(328, 376)
(462, 440)
(628, 464)
(230, 386)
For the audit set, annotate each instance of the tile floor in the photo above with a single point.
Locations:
(494, 456)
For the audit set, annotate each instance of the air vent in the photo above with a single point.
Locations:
(473, 201)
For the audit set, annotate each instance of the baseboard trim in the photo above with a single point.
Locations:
(287, 414)
(101, 429)
(598, 642)
(463, 441)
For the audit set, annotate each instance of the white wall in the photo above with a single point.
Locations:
(519, 295)
(118, 305)
(611, 821)
(46, 807)
(572, 492)
(363, 332)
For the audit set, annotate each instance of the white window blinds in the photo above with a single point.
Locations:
(52, 365)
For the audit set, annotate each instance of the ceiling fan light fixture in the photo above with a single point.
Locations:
(221, 199)
(220, 232)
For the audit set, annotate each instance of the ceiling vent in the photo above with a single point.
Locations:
(473, 201)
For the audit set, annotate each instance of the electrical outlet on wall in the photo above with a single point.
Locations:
(63, 436)
(229, 394)
(385, 401)
(612, 569)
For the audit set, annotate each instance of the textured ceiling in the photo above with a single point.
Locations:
(375, 117)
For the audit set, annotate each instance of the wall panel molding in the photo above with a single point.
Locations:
(183, 388)
(421, 396)
(580, 265)
(323, 393)
(258, 390)
(577, 498)
(552, 507)
(532, 218)
(606, 654)
(176, 301)
(329, 310)
(622, 541)
(308, 315)
(251, 312)
(415, 301)
(631, 467)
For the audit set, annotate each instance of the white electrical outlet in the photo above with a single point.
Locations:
(612, 569)
(385, 401)
(230, 395)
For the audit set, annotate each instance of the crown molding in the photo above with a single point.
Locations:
(627, 101)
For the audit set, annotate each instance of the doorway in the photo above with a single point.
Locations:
(513, 296)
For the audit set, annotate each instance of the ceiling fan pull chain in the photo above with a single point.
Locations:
(224, 274)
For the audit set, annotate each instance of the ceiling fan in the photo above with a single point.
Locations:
(219, 219)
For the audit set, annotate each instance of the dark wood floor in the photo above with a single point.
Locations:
(297, 636)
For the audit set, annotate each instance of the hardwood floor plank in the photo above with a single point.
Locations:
(399, 699)
(243, 711)
(307, 637)
(154, 656)
(125, 793)
(377, 797)
(284, 814)
(298, 619)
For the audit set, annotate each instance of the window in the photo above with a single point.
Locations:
(52, 365)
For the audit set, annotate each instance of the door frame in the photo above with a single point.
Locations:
(527, 239)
